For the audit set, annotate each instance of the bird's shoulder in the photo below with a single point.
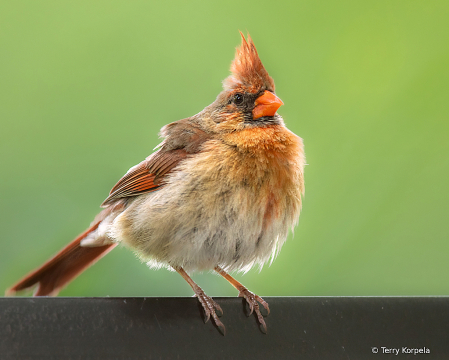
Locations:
(181, 139)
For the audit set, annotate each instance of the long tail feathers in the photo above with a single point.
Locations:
(63, 267)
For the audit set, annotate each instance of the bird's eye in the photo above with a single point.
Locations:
(238, 98)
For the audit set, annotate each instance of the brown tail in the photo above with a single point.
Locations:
(62, 268)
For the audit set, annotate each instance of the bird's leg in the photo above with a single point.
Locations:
(250, 298)
(209, 305)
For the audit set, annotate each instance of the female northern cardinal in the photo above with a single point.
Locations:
(221, 193)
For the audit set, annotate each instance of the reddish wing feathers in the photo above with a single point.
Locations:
(146, 176)
(135, 182)
(182, 139)
(163, 163)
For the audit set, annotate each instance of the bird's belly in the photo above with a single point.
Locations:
(198, 232)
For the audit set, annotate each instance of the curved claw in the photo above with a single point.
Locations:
(218, 308)
(253, 301)
(206, 314)
(264, 304)
(210, 306)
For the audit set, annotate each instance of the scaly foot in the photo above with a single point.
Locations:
(252, 300)
(209, 306)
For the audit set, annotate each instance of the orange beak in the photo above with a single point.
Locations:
(266, 105)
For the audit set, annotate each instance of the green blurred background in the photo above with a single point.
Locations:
(85, 87)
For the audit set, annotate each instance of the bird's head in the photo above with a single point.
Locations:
(248, 99)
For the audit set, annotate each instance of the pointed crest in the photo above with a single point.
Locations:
(247, 69)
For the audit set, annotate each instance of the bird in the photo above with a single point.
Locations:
(220, 193)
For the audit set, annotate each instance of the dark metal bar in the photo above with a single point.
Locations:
(172, 328)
